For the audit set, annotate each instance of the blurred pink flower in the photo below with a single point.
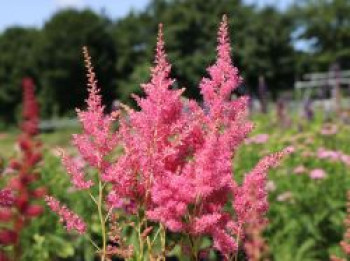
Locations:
(8, 170)
(317, 174)
(329, 129)
(345, 159)
(270, 186)
(299, 169)
(322, 153)
(290, 149)
(285, 196)
(258, 139)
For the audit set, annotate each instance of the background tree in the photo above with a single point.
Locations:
(16, 61)
(60, 57)
(325, 25)
(261, 42)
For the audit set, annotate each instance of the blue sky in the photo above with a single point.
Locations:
(20, 12)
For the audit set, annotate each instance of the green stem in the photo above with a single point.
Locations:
(102, 221)
(140, 257)
(163, 238)
(93, 243)
(194, 250)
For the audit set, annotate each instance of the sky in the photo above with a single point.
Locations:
(34, 13)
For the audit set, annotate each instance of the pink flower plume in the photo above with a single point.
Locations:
(71, 220)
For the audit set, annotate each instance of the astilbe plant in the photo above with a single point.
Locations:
(174, 174)
(22, 192)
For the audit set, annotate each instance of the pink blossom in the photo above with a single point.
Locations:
(285, 196)
(322, 153)
(258, 139)
(317, 174)
(147, 134)
(75, 171)
(6, 198)
(71, 220)
(97, 139)
(251, 197)
(299, 169)
(329, 129)
(290, 149)
(345, 159)
(270, 186)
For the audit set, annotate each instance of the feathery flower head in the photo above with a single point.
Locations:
(76, 172)
(147, 134)
(30, 108)
(97, 140)
(71, 220)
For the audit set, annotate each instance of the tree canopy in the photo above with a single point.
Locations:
(263, 42)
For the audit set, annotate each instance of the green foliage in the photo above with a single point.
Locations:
(327, 25)
(122, 50)
(16, 61)
(45, 238)
(60, 55)
(306, 226)
(309, 224)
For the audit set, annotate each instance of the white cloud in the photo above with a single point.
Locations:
(69, 3)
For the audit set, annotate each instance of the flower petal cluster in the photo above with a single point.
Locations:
(6, 198)
(69, 218)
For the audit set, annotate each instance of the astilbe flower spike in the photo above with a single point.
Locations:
(97, 139)
(21, 205)
(96, 142)
(146, 135)
(69, 218)
(30, 112)
(251, 205)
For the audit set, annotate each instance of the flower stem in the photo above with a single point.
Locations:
(102, 221)
(139, 227)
